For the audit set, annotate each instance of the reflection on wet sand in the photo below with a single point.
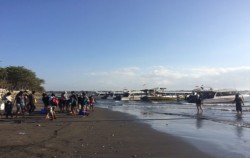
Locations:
(239, 128)
(199, 120)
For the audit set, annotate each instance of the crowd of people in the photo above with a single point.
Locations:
(74, 104)
(25, 103)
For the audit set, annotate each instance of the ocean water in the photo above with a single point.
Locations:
(219, 130)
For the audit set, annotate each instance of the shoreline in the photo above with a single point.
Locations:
(104, 133)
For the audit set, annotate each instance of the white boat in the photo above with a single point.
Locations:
(110, 95)
(100, 95)
(134, 95)
(160, 94)
(221, 96)
(160, 98)
(104, 95)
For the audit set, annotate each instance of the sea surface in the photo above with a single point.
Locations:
(219, 130)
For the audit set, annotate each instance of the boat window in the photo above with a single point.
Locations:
(219, 94)
(225, 93)
(126, 94)
(211, 95)
(208, 95)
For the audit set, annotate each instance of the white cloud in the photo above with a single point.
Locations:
(130, 71)
(170, 78)
(201, 72)
(161, 71)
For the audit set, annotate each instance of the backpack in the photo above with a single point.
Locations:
(54, 101)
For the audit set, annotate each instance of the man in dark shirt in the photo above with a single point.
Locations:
(32, 101)
(238, 100)
(198, 103)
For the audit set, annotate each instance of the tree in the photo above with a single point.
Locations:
(16, 78)
(3, 78)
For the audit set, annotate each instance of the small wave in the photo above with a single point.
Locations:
(238, 124)
(214, 119)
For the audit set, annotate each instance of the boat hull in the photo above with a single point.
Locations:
(159, 98)
(222, 100)
(218, 100)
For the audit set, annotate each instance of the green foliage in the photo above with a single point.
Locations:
(18, 77)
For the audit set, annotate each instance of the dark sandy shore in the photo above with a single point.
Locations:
(103, 134)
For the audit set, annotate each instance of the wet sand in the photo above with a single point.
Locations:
(103, 134)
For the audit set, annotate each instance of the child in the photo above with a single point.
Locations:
(91, 102)
(53, 104)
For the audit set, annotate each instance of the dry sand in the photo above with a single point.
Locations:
(103, 134)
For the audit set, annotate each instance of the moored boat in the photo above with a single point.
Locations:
(160, 94)
(211, 96)
(134, 95)
(159, 98)
(223, 96)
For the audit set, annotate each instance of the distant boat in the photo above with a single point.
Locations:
(100, 95)
(159, 98)
(104, 95)
(134, 95)
(160, 94)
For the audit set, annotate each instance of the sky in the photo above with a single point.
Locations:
(128, 44)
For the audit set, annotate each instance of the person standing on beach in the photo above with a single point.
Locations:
(91, 102)
(238, 103)
(67, 102)
(46, 104)
(32, 101)
(198, 103)
(84, 102)
(73, 103)
(8, 105)
(26, 100)
(53, 103)
(20, 103)
(62, 102)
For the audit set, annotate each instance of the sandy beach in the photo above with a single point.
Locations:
(103, 134)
